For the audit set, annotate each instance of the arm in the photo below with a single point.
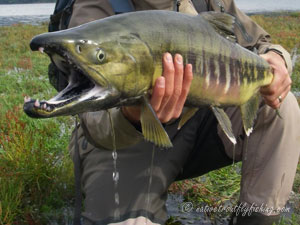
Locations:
(87, 11)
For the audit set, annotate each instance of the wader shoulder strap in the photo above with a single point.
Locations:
(77, 175)
(60, 18)
(121, 6)
(200, 5)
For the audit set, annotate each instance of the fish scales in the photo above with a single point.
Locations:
(173, 40)
(120, 57)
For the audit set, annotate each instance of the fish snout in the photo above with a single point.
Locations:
(53, 40)
(40, 41)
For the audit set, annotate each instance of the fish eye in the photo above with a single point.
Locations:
(101, 55)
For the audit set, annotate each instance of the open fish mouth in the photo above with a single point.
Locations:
(78, 96)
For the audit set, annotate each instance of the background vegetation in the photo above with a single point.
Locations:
(36, 175)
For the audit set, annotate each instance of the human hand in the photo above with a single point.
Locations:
(169, 92)
(275, 93)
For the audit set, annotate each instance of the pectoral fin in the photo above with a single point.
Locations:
(152, 128)
(249, 113)
(224, 122)
(186, 116)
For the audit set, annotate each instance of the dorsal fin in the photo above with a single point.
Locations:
(223, 24)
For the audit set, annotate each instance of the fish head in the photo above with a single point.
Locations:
(103, 71)
(124, 62)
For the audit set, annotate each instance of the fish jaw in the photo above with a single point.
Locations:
(82, 94)
(74, 99)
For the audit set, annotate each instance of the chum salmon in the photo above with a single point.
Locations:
(115, 61)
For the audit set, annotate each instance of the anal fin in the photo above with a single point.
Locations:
(249, 113)
(152, 128)
(224, 122)
(188, 114)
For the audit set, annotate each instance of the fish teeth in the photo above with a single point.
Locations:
(27, 99)
(37, 103)
(44, 106)
(41, 49)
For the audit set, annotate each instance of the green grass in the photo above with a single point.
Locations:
(36, 177)
(294, 220)
(215, 189)
(35, 170)
(285, 30)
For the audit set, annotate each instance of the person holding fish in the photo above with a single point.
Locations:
(266, 139)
